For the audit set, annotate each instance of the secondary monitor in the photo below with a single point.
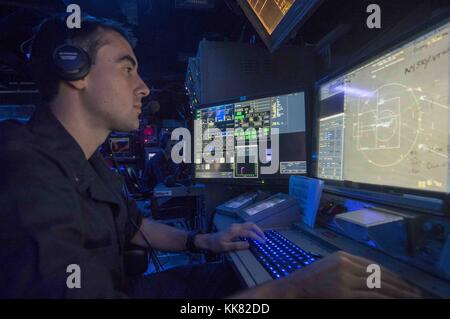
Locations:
(386, 122)
(244, 123)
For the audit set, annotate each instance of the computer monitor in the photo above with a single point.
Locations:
(248, 121)
(219, 116)
(120, 146)
(274, 20)
(386, 122)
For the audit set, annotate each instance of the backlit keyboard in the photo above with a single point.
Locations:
(279, 256)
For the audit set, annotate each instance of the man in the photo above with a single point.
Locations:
(61, 206)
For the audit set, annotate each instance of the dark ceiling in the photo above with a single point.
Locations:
(168, 35)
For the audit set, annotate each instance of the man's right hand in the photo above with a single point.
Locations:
(339, 275)
(342, 275)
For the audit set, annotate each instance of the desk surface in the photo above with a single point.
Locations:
(324, 242)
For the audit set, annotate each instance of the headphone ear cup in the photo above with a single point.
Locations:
(71, 62)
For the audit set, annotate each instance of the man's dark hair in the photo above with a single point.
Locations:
(54, 32)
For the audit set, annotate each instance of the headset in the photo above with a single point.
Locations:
(70, 62)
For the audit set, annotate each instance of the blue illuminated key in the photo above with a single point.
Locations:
(279, 256)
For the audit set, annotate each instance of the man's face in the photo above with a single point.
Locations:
(114, 88)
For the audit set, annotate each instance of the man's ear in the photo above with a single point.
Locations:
(78, 84)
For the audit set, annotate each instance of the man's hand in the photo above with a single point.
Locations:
(229, 239)
(339, 275)
(342, 275)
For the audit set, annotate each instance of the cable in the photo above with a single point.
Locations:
(159, 267)
(153, 256)
(27, 52)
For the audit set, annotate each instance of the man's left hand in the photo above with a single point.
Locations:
(231, 238)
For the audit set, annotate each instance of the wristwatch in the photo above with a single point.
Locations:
(190, 246)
